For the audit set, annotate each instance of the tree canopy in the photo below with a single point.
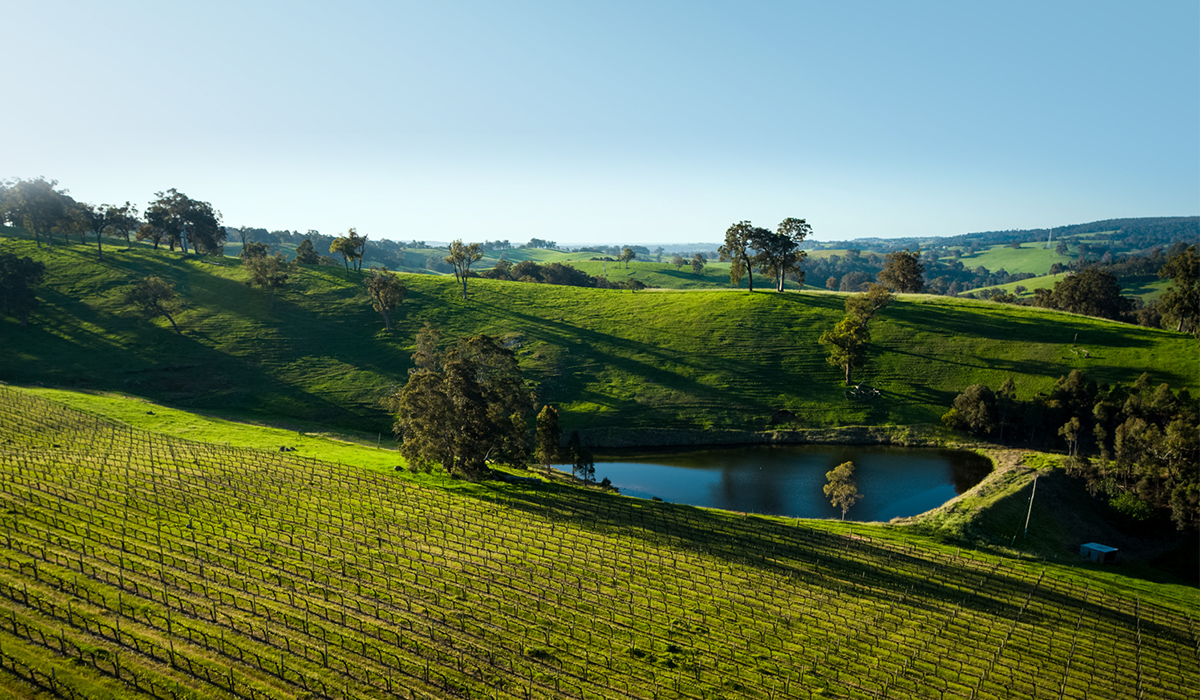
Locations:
(779, 253)
(1091, 292)
(18, 277)
(462, 257)
(903, 272)
(841, 488)
(848, 340)
(1180, 304)
(184, 221)
(463, 407)
(737, 249)
(36, 205)
(153, 297)
(386, 292)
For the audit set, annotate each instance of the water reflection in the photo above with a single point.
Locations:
(788, 480)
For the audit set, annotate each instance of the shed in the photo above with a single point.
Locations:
(1100, 553)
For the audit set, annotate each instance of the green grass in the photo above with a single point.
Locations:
(185, 567)
(1030, 257)
(1148, 291)
(612, 360)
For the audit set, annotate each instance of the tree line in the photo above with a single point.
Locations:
(1139, 445)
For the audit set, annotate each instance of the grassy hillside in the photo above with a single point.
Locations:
(137, 565)
(610, 359)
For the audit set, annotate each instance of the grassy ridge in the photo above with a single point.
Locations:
(136, 564)
(611, 359)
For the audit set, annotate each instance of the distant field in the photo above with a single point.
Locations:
(1147, 292)
(1030, 257)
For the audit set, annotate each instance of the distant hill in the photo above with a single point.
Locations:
(706, 360)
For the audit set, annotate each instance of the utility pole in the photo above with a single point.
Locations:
(1028, 513)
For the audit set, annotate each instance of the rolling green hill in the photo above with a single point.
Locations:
(612, 360)
(138, 565)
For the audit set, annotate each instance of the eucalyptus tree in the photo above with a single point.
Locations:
(154, 297)
(386, 292)
(18, 277)
(779, 253)
(462, 257)
(269, 272)
(37, 206)
(841, 488)
(1180, 304)
(182, 220)
(847, 342)
(462, 408)
(627, 254)
(738, 249)
(903, 271)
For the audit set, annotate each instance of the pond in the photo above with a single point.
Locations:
(789, 480)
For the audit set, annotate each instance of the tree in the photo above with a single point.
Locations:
(697, 264)
(461, 408)
(123, 220)
(35, 205)
(548, 436)
(306, 254)
(678, 262)
(1092, 292)
(583, 464)
(18, 277)
(345, 247)
(737, 250)
(359, 246)
(254, 249)
(848, 340)
(847, 344)
(462, 257)
(779, 253)
(1180, 304)
(973, 411)
(842, 490)
(92, 219)
(269, 272)
(183, 220)
(626, 255)
(154, 297)
(903, 272)
(387, 292)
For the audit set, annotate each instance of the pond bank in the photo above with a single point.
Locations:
(910, 436)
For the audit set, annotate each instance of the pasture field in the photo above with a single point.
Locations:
(1030, 257)
(612, 360)
(139, 565)
(1147, 291)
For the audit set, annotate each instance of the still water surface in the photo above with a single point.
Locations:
(788, 480)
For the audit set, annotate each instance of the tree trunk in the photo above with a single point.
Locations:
(750, 275)
(464, 283)
(172, 323)
(99, 247)
(847, 374)
(387, 322)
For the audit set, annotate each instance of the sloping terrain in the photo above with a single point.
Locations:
(699, 360)
(135, 565)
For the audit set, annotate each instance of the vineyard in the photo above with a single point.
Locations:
(136, 565)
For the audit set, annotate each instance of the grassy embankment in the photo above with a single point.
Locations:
(612, 360)
(138, 564)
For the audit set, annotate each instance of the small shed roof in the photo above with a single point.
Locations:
(1100, 547)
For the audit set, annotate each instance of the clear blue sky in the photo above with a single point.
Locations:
(616, 122)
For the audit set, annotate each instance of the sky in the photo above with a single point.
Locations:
(612, 122)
